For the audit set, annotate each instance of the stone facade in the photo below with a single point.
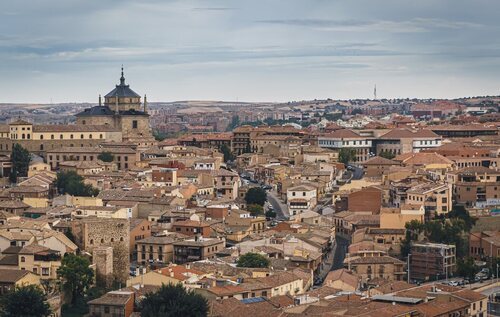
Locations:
(92, 233)
(102, 258)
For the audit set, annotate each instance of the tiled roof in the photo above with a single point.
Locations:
(409, 134)
(342, 134)
(72, 128)
(378, 160)
(12, 276)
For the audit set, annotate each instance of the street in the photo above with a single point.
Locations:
(280, 208)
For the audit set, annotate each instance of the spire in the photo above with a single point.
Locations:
(100, 103)
(145, 104)
(122, 79)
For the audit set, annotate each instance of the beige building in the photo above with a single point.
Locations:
(436, 198)
(301, 198)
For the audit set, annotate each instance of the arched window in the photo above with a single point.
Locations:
(100, 136)
(41, 147)
(83, 122)
(91, 241)
(52, 136)
(27, 136)
(112, 239)
(71, 136)
(23, 136)
(121, 238)
(81, 136)
(41, 137)
(102, 240)
(90, 136)
(60, 136)
(23, 259)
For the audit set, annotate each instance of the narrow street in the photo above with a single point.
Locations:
(280, 208)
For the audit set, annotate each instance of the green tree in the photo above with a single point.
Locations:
(466, 268)
(255, 210)
(20, 158)
(357, 111)
(347, 155)
(253, 260)
(25, 301)
(106, 157)
(256, 195)
(387, 154)
(174, 301)
(459, 212)
(76, 274)
(226, 151)
(72, 183)
(270, 214)
(235, 122)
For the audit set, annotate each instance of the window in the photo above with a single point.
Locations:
(23, 259)
(134, 124)
(45, 271)
(61, 136)
(106, 309)
(100, 136)
(41, 137)
(52, 136)
(91, 241)
(81, 136)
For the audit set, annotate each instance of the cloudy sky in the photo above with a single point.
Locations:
(252, 50)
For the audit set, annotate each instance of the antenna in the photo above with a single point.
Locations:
(375, 92)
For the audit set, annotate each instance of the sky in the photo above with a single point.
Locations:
(248, 50)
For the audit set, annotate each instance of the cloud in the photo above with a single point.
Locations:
(213, 9)
(413, 25)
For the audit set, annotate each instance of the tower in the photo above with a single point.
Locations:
(375, 92)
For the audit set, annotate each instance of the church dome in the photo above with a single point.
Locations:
(122, 90)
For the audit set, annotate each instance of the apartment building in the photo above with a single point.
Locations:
(430, 261)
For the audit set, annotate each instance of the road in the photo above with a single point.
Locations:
(357, 173)
(280, 208)
(340, 252)
(493, 308)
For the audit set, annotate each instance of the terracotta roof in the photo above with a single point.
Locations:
(378, 160)
(12, 276)
(342, 134)
(72, 128)
(422, 158)
(342, 275)
(409, 134)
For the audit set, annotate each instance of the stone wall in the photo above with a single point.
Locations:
(94, 233)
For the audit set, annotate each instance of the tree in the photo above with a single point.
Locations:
(357, 111)
(72, 183)
(256, 195)
(76, 274)
(387, 154)
(253, 260)
(466, 268)
(106, 157)
(173, 301)
(459, 212)
(235, 122)
(347, 155)
(226, 151)
(20, 158)
(255, 210)
(270, 214)
(25, 301)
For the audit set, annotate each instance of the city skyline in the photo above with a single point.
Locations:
(258, 51)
